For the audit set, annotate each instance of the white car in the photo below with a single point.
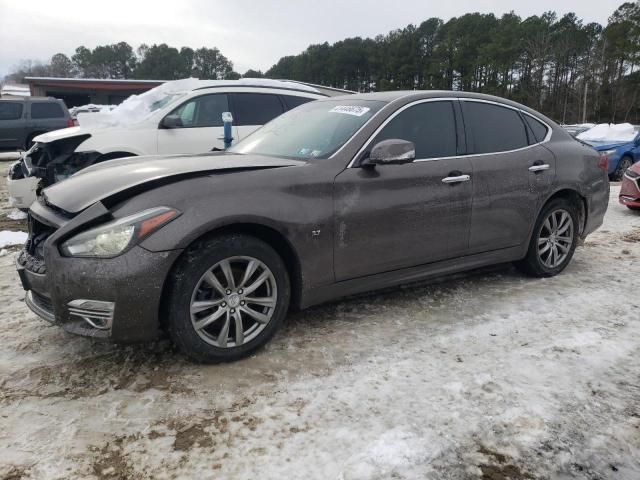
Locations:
(183, 116)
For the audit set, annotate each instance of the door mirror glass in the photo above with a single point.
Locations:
(392, 151)
(172, 121)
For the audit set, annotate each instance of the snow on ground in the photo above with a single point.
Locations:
(8, 238)
(489, 375)
(16, 214)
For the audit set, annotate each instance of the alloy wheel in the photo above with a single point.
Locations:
(233, 301)
(555, 239)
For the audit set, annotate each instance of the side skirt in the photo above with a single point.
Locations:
(409, 275)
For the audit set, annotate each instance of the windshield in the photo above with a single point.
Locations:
(161, 102)
(314, 130)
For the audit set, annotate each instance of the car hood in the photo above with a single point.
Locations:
(119, 178)
(62, 133)
(70, 132)
(601, 146)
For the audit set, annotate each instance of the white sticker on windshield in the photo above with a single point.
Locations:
(350, 110)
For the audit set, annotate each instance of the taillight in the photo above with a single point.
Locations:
(70, 123)
(603, 162)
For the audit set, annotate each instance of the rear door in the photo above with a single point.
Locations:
(398, 216)
(12, 124)
(202, 127)
(46, 116)
(512, 173)
(252, 110)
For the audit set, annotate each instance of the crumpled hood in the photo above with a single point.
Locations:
(63, 133)
(602, 146)
(104, 180)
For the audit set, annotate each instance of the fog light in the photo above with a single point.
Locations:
(96, 313)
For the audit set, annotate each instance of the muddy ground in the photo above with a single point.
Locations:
(490, 375)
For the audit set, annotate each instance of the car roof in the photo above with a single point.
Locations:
(258, 83)
(29, 99)
(406, 96)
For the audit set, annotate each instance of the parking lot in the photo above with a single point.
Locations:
(487, 375)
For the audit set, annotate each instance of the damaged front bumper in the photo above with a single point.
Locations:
(116, 299)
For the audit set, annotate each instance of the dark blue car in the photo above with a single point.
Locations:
(621, 155)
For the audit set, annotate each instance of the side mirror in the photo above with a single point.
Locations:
(392, 151)
(172, 121)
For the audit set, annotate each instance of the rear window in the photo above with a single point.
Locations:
(293, 101)
(538, 128)
(494, 128)
(46, 110)
(10, 110)
(255, 108)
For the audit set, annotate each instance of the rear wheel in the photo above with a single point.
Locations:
(228, 296)
(624, 163)
(554, 239)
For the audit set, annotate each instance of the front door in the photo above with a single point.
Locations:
(202, 128)
(398, 216)
(512, 173)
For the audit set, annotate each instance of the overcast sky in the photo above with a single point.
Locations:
(252, 33)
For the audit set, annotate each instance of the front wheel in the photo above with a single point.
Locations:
(227, 298)
(554, 239)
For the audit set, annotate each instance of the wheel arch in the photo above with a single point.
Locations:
(272, 237)
(574, 197)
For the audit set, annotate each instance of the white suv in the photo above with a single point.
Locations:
(183, 116)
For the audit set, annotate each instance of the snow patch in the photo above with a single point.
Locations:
(16, 214)
(8, 238)
(609, 132)
(391, 453)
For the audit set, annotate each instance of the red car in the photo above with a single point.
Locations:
(630, 189)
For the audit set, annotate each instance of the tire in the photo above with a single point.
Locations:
(624, 163)
(199, 311)
(538, 262)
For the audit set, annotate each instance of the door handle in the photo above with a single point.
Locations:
(456, 179)
(539, 167)
(222, 138)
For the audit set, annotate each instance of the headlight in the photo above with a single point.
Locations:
(608, 152)
(631, 174)
(113, 238)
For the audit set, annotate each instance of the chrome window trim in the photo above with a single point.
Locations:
(451, 99)
(479, 100)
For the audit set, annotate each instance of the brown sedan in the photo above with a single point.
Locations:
(333, 198)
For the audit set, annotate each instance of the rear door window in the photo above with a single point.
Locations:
(10, 110)
(493, 128)
(431, 126)
(537, 129)
(46, 110)
(292, 101)
(255, 108)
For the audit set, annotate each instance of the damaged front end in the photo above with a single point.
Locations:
(45, 164)
(57, 160)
